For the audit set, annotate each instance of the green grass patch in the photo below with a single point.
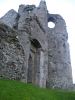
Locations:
(15, 90)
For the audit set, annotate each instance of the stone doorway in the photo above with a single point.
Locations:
(29, 75)
(34, 63)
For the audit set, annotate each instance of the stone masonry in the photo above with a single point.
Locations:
(32, 52)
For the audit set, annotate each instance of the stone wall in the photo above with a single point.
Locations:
(12, 56)
(60, 72)
(10, 19)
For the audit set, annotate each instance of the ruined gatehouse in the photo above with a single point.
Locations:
(32, 52)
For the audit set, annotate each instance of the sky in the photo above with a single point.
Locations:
(66, 8)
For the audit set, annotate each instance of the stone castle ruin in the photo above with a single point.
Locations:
(32, 52)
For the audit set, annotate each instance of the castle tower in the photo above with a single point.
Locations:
(59, 72)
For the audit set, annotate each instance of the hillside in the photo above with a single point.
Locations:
(15, 90)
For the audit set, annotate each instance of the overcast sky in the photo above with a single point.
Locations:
(66, 8)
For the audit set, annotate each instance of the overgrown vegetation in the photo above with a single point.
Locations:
(15, 90)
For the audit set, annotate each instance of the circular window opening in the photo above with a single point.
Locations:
(51, 24)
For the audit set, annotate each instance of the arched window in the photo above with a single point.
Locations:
(51, 22)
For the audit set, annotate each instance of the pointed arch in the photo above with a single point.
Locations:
(36, 43)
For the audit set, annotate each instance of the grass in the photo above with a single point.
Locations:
(15, 90)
